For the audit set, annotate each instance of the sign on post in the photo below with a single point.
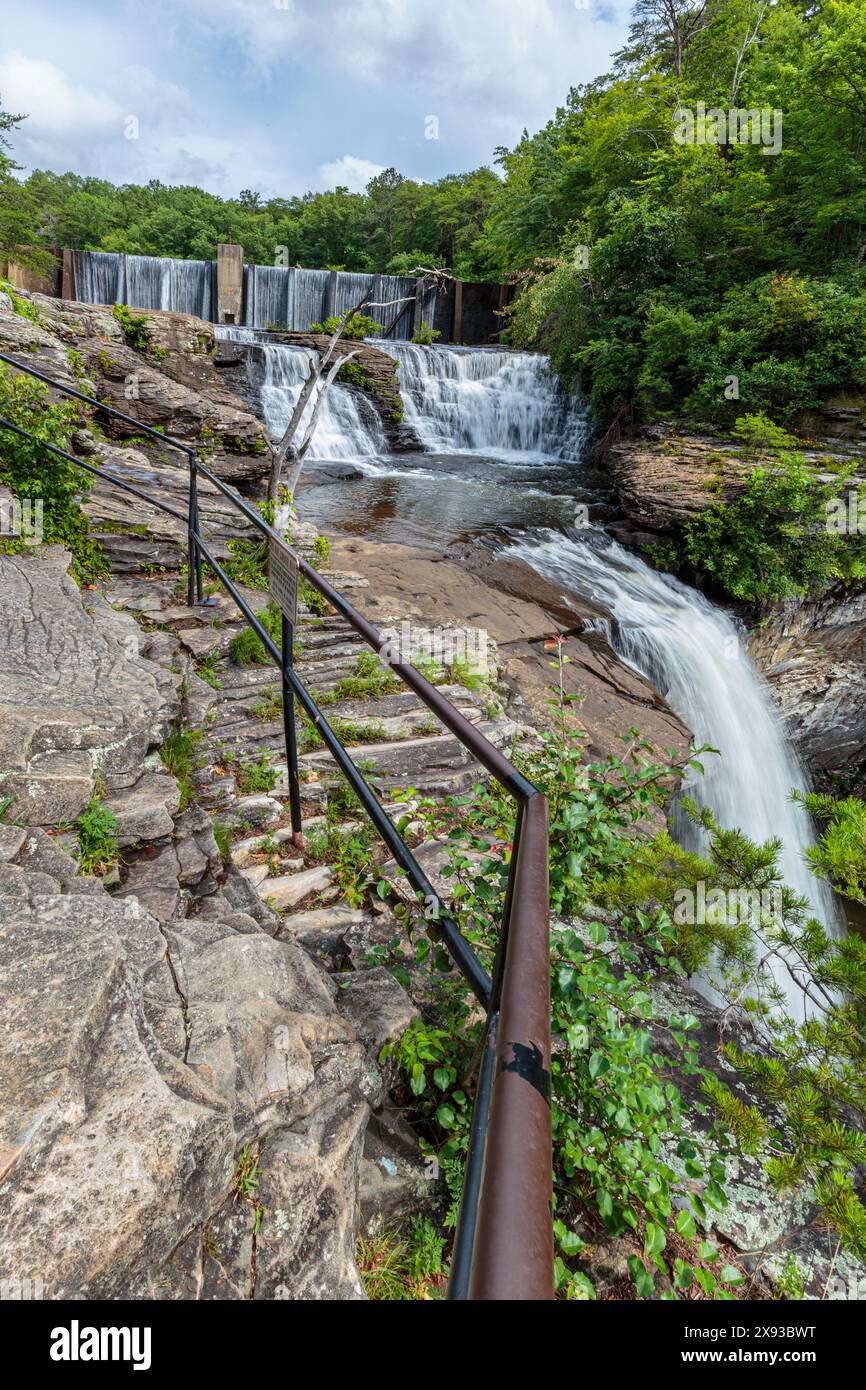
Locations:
(283, 578)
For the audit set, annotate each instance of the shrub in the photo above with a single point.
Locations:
(774, 542)
(360, 326)
(31, 471)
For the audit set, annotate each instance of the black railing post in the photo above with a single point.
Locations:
(288, 635)
(193, 561)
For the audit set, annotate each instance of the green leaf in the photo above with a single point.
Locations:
(685, 1225)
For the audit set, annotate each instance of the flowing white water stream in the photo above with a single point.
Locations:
(343, 432)
(484, 400)
(694, 654)
(692, 651)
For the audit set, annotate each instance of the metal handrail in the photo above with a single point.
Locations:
(503, 1248)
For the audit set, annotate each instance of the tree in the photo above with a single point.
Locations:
(18, 233)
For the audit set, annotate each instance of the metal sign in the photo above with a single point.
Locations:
(283, 578)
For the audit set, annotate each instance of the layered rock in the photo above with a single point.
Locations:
(814, 656)
(182, 1111)
(79, 702)
(172, 385)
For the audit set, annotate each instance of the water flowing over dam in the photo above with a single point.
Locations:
(287, 296)
(485, 399)
(146, 282)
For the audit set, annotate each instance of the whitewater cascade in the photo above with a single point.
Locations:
(695, 656)
(349, 427)
(146, 282)
(486, 400)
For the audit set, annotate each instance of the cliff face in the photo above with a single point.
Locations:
(814, 656)
(813, 652)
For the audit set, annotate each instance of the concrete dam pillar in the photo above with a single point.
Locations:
(230, 283)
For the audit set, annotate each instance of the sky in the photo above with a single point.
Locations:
(283, 96)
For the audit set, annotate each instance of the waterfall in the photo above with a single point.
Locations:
(349, 426)
(486, 400)
(695, 655)
(145, 282)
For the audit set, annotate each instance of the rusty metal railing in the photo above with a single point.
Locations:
(503, 1248)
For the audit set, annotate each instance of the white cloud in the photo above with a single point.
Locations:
(525, 53)
(56, 105)
(349, 172)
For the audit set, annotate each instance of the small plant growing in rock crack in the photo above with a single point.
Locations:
(245, 1181)
(179, 753)
(223, 836)
(96, 828)
(269, 706)
(405, 1263)
(134, 327)
(369, 679)
(247, 648)
(207, 670)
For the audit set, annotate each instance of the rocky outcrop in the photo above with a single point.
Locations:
(171, 384)
(183, 1111)
(814, 656)
(79, 702)
(520, 612)
(667, 476)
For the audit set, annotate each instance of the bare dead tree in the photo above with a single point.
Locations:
(319, 381)
(750, 37)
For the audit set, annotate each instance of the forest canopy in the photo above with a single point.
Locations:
(664, 261)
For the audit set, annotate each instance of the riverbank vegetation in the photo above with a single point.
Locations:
(646, 1134)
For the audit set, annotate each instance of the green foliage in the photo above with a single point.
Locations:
(134, 327)
(402, 1264)
(19, 212)
(840, 854)
(31, 471)
(369, 680)
(248, 563)
(223, 836)
(353, 374)
(20, 306)
(180, 756)
(247, 648)
(809, 1063)
(255, 775)
(426, 335)
(359, 326)
(652, 271)
(774, 542)
(97, 838)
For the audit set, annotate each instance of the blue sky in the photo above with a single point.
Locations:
(289, 95)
